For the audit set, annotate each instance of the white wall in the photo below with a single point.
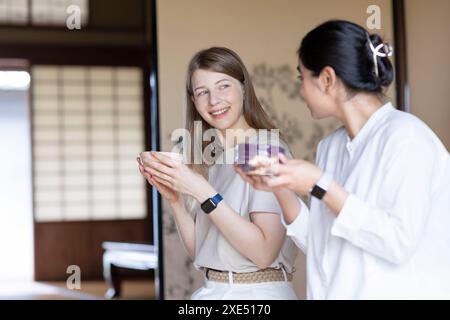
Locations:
(16, 218)
(428, 51)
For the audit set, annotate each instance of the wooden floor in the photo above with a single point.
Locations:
(90, 290)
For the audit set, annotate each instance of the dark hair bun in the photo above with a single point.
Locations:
(345, 47)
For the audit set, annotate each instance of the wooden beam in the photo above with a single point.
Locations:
(155, 143)
(76, 55)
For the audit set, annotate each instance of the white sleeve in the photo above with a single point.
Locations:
(391, 227)
(298, 229)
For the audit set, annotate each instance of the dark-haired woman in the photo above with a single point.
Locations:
(379, 217)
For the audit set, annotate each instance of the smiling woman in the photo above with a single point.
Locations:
(220, 94)
(232, 232)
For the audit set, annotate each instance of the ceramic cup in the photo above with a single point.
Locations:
(145, 156)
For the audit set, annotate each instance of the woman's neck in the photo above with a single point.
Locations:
(355, 112)
(241, 126)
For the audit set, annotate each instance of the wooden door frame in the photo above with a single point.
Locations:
(155, 143)
(401, 63)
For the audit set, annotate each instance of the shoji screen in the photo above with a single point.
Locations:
(87, 130)
(40, 12)
(54, 12)
(14, 12)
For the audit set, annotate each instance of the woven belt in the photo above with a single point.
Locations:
(265, 275)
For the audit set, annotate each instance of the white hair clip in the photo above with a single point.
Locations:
(387, 52)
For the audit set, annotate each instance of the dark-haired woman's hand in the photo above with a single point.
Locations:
(294, 174)
(256, 181)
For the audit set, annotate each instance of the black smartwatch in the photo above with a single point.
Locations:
(322, 186)
(210, 204)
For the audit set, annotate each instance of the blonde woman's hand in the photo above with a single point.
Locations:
(166, 192)
(177, 176)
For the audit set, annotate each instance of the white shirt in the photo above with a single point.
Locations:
(212, 250)
(391, 239)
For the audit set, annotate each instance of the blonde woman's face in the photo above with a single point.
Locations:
(218, 98)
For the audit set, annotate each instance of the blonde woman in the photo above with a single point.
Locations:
(234, 232)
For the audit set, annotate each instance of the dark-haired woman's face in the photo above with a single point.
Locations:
(312, 91)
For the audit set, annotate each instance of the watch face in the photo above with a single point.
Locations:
(318, 192)
(208, 206)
